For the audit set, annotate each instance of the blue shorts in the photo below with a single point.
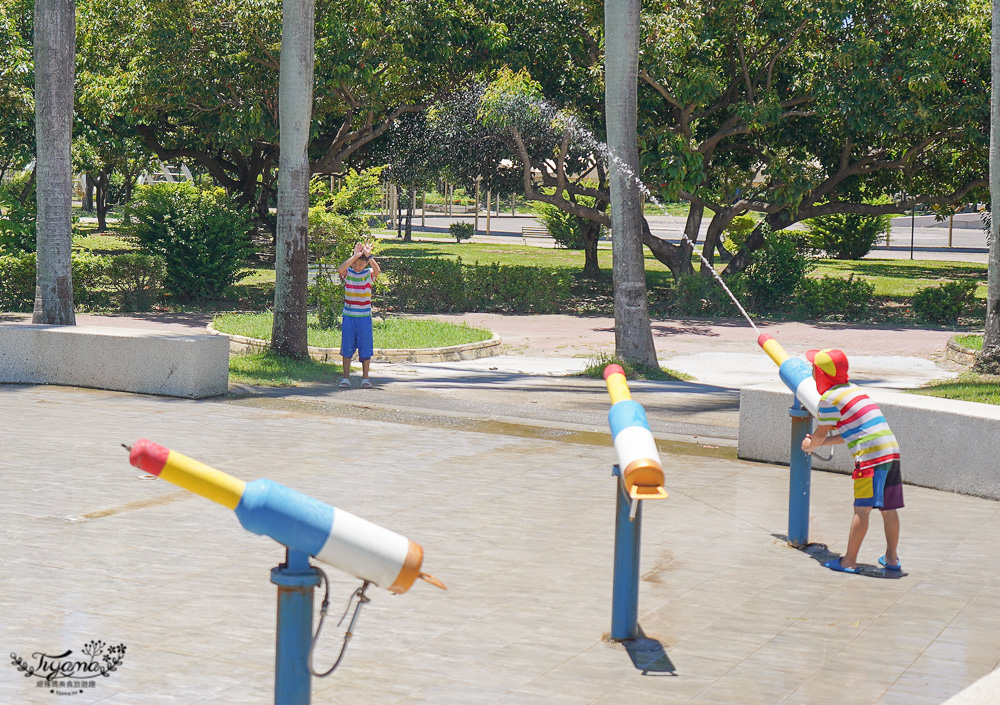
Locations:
(356, 335)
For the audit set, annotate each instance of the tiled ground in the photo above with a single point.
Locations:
(520, 529)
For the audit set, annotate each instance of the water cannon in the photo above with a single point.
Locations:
(300, 522)
(796, 373)
(638, 459)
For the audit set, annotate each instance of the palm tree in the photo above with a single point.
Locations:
(989, 359)
(295, 99)
(55, 53)
(633, 335)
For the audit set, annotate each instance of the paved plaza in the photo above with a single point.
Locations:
(517, 520)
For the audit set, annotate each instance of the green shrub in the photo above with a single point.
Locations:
(849, 299)
(562, 226)
(423, 284)
(847, 235)
(697, 295)
(17, 225)
(129, 281)
(136, 279)
(944, 303)
(17, 220)
(437, 284)
(202, 236)
(90, 281)
(565, 228)
(511, 288)
(17, 282)
(360, 191)
(462, 231)
(777, 270)
(739, 229)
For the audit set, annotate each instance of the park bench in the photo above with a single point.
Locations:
(536, 234)
(121, 359)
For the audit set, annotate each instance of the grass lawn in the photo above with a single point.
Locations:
(973, 342)
(268, 370)
(902, 278)
(968, 386)
(405, 333)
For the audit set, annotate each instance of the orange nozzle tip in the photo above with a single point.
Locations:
(646, 492)
(148, 456)
(432, 580)
(612, 369)
(763, 338)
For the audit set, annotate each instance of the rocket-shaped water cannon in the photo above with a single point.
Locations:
(298, 521)
(795, 372)
(638, 458)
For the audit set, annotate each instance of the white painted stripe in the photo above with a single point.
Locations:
(808, 396)
(633, 443)
(363, 549)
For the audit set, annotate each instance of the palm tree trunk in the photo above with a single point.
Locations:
(991, 337)
(988, 361)
(295, 99)
(55, 54)
(633, 335)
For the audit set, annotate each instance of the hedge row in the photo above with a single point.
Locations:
(129, 281)
(444, 285)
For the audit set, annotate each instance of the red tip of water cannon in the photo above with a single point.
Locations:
(763, 338)
(148, 456)
(612, 369)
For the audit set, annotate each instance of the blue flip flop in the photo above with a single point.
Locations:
(834, 564)
(898, 566)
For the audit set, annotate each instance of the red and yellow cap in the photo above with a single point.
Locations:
(831, 366)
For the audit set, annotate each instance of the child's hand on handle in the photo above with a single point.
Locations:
(807, 443)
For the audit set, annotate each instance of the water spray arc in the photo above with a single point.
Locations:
(795, 373)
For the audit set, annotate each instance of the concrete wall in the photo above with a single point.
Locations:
(944, 444)
(122, 359)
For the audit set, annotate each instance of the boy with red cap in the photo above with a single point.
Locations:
(847, 415)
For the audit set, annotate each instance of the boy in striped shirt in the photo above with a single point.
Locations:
(848, 415)
(358, 272)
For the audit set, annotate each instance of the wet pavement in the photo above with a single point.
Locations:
(504, 477)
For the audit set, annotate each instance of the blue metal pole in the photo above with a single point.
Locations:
(798, 480)
(625, 586)
(296, 579)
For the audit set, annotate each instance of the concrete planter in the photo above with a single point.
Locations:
(957, 353)
(450, 353)
(120, 359)
(945, 444)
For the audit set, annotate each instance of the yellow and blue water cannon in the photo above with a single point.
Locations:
(796, 373)
(640, 476)
(638, 458)
(307, 528)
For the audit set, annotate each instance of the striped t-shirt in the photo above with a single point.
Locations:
(358, 292)
(860, 423)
